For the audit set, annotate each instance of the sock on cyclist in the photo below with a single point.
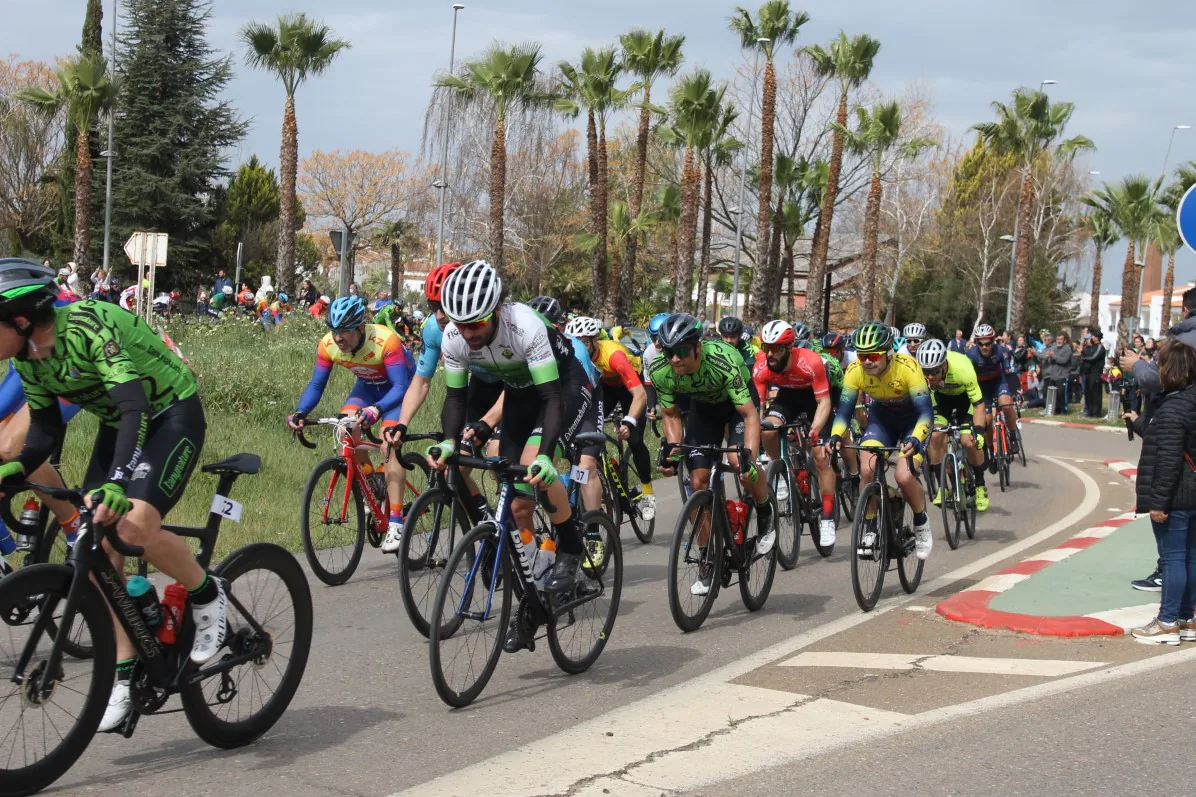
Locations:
(920, 518)
(646, 488)
(7, 543)
(568, 536)
(763, 513)
(978, 472)
(124, 669)
(205, 593)
(396, 517)
(71, 527)
(828, 507)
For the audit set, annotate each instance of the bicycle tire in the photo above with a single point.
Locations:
(611, 506)
(949, 497)
(611, 573)
(756, 573)
(1021, 450)
(701, 501)
(813, 514)
(969, 517)
(683, 478)
(644, 530)
(865, 596)
(847, 492)
(17, 592)
(264, 557)
(909, 566)
(419, 575)
(51, 548)
(329, 576)
(787, 516)
(480, 543)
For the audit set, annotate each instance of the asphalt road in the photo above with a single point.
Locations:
(367, 721)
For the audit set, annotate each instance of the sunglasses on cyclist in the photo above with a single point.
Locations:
(473, 326)
(934, 372)
(680, 352)
(871, 356)
(984, 344)
(775, 348)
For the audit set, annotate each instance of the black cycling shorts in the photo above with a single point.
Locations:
(523, 414)
(172, 447)
(952, 409)
(592, 421)
(707, 425)
(790, 403)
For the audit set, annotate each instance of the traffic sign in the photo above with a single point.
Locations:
(147, 248)
(1185, 218)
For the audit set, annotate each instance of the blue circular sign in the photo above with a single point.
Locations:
(1185, 218)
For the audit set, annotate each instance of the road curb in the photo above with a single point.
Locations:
(1127, 469)
(1070, 425)
(971, 606)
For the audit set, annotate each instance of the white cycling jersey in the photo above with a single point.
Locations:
(526, 351)
(650, 354)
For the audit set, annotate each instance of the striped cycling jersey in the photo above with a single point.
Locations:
(379, 363)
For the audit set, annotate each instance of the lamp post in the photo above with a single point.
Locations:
(1171, 141)
(108, 154)
(441, 183)
(743, 181)
(1047, 82)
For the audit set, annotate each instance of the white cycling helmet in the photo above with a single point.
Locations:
(983, 331)
(777, 332)
(471, 293)
(932, 354)
(227, 290)
(914, 330)
(583, 327)
(418, 315)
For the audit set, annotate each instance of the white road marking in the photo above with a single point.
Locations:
(919, 608)
(1039, 668)
(1129, 617)
(868, 661)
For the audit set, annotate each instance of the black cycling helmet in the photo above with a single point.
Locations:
(801, 331)
(833, 340)
(26, 289)
(730, 325)
(678, 329)
(548, 307)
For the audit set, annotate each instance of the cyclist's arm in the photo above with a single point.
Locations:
(493, 416)
(319, 380)
(847, 399)
(394, 357)
(822, 413)
(541, 363)
(919, 394)
(751, 426)
(456, 378)
(46, 430)
(417, 393)
(631, 380)
(671, 418)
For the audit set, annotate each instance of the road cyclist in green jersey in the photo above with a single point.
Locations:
(733, 333)
(723, 403)
(113, 365)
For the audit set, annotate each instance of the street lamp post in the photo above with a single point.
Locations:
(743, 181)
(1171, 141)
(108, 154)
(442, 183)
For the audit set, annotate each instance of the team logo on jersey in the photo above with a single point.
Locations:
(897, 386)
(507, 353)
(737, 382)
(140, 472)
(111, 349)
(369, 356)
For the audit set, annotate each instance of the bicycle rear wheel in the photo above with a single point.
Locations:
(644, 529)
(909, 566)
(869, 548)
(950, 498)
(43, 733)
(333, 532)
(577, 636)
(428, 541)
(467, 628)
(690, 563)
(813, 513)
(266, 588)
(787, 516)
(755, 580)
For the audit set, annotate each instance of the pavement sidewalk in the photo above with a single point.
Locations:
(1079, 588)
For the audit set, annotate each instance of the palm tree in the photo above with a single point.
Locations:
(786, 177)
(1099, 225)
(624, 229)
(293, 49)
(1131, 205)
(85, 90)
(777, 26)
(811, 188)
(1026, 128)
(395, 235)
(695, 107)
(718, 149)
(647, 56)
(668, 214)
(1164, 234)
(850, 62)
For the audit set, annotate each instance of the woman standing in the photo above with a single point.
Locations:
(1166, 489)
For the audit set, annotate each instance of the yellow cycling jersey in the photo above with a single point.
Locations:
(616, 363)
(900, 391)
(959, 378)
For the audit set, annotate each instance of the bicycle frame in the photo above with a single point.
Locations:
(882, 464)
(718, 514)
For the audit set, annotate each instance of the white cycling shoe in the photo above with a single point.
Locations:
(120, 703)
(923, 541)
(210, 626)
(826, 532)
(394, 538)
(647, 507)
(782, 490)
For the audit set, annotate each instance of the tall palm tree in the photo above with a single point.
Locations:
(1026, 128)
(648, 56)
(293, 49)
(776, 23)
(1164, 234)
(624, 228)
(667, 213)
(694, 110)
(396, 235)
(84, 90)
(785, 179)
(1131, 205)
(849, 61)
(718, 149)
(811, 188)
(1100, 227)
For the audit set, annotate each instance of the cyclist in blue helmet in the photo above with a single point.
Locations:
(650, 354)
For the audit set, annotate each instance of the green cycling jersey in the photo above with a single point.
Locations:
(722, 376)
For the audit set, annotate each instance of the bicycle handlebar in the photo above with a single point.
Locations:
(297, 434)
(76, 499)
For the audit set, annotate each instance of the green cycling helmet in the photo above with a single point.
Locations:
(873, 336)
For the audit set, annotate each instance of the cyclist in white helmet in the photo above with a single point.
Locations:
(957, 398)
(914, 334)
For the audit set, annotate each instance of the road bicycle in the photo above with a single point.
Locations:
(336, 524)
(490, 565)
(958, 486)
(1000, 448)
(729, 548)
(55, 700)
(802, 505)
(620, 494)
(882, 534)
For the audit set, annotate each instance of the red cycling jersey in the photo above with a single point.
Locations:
(805, 371)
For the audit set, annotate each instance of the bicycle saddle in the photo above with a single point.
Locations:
(589, 438)
(237, 463)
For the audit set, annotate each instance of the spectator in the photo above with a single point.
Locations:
(353, 289)
(220, 281)
(705, 323)
(201, 300)
(1166, 488)
(267, 287)
(1149, 350)
(1057, 367)
(308, 295)
(47, 263)
(958, 343)
(381, 299)
(1092, 364)
(1032, 389)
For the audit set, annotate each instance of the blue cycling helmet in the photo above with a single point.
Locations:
(282, 297)
(346, 313)
(656, 323)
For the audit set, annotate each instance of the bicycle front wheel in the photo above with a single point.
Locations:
(428, 540)
(644, 530)
(44, 731)
(695, 570)
(869, 548)
(788, 513)
(950, 498)
(577, 635)
(333, 522)
(267, 590)
(909, 566)
(755, 578)
(469, 617)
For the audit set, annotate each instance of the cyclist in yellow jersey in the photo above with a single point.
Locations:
(956, 392)
(901, 413)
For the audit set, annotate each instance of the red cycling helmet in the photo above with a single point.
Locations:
(435, 280)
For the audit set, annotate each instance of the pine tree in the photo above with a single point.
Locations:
(172, 130)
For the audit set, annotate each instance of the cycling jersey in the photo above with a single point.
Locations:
(748, 352)
(722, 376)
(526, 351)
(429, 356)
(379, 363)
(834, 371)
(992, 367)
(899, 396)
(650, 354)
(390, 316)
(959, 377)
(804, 371)
(616, 364)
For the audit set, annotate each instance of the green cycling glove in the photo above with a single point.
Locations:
(112, 495)
(11, 472)
(446, 449)
(547, 472)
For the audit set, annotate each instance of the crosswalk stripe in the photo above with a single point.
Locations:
(1041, 668)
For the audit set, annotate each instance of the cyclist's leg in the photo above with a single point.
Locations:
(705, 428)
(784, 408)
(591, 491)
(876, 434)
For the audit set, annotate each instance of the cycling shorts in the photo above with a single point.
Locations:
(992, 388)
(888, 429)
(172, 446)
(790, 403)
(593, 421)
(523, 416)
(708, 425)
(952, 409)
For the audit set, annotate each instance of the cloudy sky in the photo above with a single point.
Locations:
(1127, 64)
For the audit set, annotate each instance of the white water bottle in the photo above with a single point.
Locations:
(527, 550)
(545, 558)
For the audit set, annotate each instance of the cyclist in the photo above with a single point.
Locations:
(621, 387)
(956, 393)
(900, 414)
(376, 357)
(113, 365)
(899, 346)
(800, 376)
(724, 403)
(731, 330)
(992, 369)
(650, 354)
(914, 334)
(547, 399)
